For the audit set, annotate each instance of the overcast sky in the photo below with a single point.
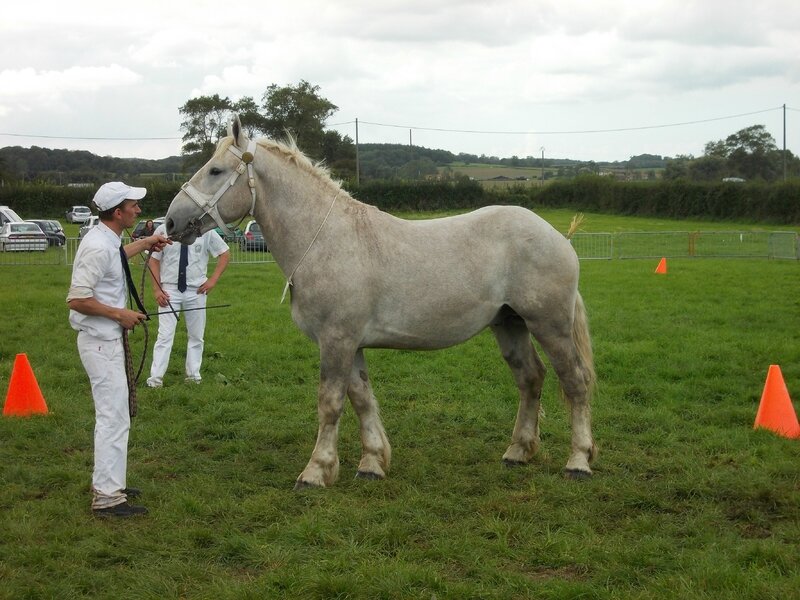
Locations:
(539, 71)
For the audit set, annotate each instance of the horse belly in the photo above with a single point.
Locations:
(428, 329)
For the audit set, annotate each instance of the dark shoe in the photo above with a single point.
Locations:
(120, 510)
(132, 492)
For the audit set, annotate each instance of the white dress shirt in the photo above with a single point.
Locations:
(210, 243)
(97, 271)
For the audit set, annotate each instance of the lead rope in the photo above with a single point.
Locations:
(314, 239)
(145, 269)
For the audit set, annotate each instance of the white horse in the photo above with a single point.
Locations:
(361, 278)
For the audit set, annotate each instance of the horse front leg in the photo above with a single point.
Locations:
(322, 469)
(376, 453)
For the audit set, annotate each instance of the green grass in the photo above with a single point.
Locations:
(687, 500)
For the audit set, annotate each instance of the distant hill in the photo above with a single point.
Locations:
(80, 166)
(386, 161)
(377, 161)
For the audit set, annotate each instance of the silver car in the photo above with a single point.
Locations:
(78, 214)
(91, 222)
(22, 237)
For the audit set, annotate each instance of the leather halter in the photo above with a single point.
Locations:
(208, 203)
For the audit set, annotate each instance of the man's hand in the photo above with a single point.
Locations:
(207, 286)
(162, 297)
(129, 318)
(157, 242)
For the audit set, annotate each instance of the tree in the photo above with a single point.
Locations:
(252, 120)
(299, 111)
(708, 168)
(419, 168)
(205, 121)
(750, 153)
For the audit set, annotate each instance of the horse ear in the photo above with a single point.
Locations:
(235, 130)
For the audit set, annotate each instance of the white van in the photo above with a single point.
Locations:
(8, 216)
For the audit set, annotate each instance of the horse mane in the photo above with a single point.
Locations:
(289, 150)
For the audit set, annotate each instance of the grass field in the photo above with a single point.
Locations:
(687, 500)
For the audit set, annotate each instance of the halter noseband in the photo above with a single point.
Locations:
(208, 203)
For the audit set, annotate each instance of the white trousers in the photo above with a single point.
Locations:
(104, 362)
(195, 328)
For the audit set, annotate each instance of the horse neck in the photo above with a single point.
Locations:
(293, 205)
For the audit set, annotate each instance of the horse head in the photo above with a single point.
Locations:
(200, 206)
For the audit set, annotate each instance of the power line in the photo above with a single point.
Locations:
(572, 132)
(105, 139)
(414, 127)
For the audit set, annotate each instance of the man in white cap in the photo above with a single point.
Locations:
(97, 301)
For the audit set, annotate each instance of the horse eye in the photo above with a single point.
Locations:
(215, 171)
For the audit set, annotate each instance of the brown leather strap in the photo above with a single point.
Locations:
(132, 404)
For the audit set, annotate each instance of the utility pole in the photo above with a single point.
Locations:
(410, 143)
(784, 142)
(542, 149)
(358, 174)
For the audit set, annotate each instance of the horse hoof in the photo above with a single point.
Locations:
(304, 485)
(513, 463)
(368, 475)
(577, 474)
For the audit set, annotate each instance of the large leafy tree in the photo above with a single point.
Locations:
(750, 153)
(251, 119)
(299, 111)
(205, 120)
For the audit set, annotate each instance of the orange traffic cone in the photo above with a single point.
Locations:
(776, 412)
(24, 397)
(661, 269)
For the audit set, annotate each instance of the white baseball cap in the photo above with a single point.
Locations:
(112, 194)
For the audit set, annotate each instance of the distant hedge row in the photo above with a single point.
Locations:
(757, 202)
(43, 201)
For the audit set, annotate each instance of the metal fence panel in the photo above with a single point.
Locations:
(52, 256)
(730, 243)
(719, 244)
(593, 245)
(784, 244)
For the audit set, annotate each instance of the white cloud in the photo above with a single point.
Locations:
(505, 65)
(47, 87)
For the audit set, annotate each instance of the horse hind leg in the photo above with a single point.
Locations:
(515, 344)
(569, 351)
(376, 452)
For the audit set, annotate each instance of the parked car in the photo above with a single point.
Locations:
(53, 230)
(235, 237)
(91, 222)
(253, 238)
(78, 214)
(8, 216)
(22, 236)
(137, 231)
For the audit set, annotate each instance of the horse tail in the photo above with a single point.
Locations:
(577, 221)
(583, 343)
